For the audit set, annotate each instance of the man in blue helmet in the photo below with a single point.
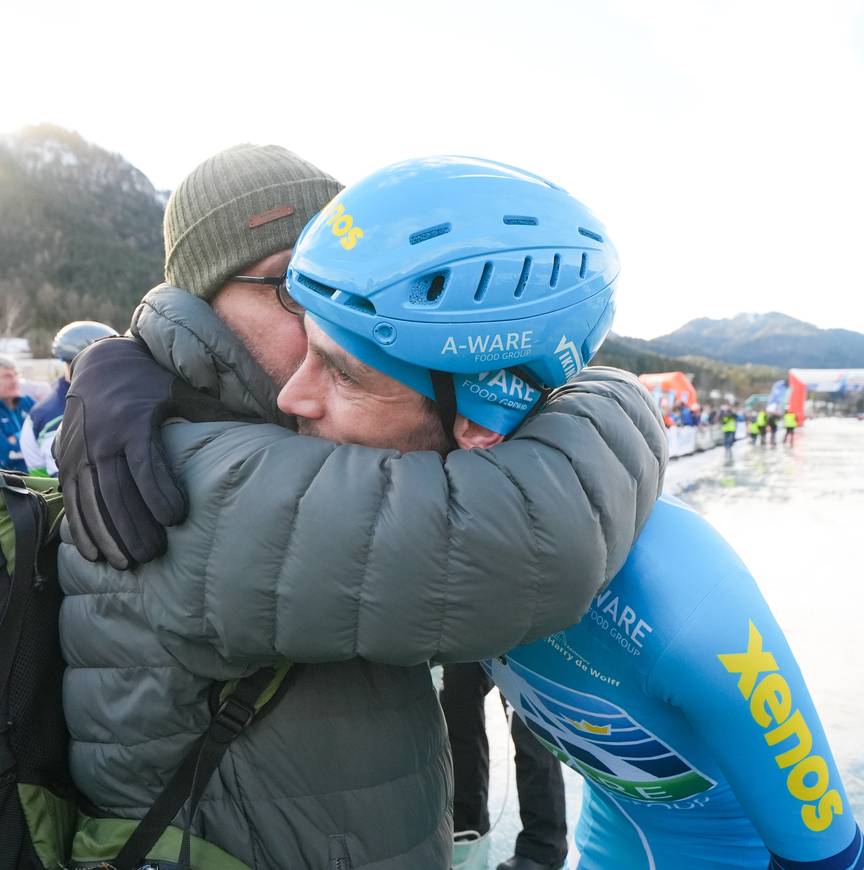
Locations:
(360, 563)
(40, 427)
(678, 698)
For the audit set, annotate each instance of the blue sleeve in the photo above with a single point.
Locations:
(731, 672)
(8, 445)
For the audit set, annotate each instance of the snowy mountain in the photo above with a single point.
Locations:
(767, 339)
(80, 233)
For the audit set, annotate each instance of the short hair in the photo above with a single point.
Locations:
(8, 362)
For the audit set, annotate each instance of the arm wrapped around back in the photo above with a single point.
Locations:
(299, 548)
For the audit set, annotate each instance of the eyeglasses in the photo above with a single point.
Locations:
(286, 300)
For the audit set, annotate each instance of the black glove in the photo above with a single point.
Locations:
(117, 481)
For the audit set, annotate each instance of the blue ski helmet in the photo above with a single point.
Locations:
(75, 336)
(468, 267)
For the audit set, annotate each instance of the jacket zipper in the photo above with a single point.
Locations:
(339, 859)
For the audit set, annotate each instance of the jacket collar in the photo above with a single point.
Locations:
(186, 337)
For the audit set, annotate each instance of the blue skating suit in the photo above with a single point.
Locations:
(679, 701)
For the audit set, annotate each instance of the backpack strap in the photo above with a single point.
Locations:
(233, 716)
(26, 514)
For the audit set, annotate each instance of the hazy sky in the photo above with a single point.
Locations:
(720, 141)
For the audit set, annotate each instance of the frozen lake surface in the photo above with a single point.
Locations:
(796, 517)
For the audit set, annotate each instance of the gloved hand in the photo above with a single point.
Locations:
(119, 488)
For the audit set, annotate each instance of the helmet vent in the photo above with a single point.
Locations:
(360, 303)
(315, 286)
(590, 235)
(556, 268)
(583, 266)
(429, 233)
(523, 278)
(436, 288)
(428, 289)
(520, 220)
(483, 286)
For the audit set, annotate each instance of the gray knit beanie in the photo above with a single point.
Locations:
(236, 208)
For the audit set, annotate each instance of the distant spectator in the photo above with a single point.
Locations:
(40, 427)
(753, 428)
(729, 422)
(696, 411)
(762, 423)
(13, 410)
(790, 424)
(773, 424)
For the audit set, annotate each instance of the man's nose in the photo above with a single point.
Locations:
(300, 396)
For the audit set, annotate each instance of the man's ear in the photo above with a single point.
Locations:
(469, 434)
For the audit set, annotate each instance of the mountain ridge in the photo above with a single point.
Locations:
(80, 233)
(773, 339)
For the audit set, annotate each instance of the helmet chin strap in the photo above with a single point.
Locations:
(532, 382)
(445, 403)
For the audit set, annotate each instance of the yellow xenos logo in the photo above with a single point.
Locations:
(342, 226)
(771, 702)
(605, 730)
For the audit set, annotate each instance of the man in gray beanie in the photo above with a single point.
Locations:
(347, 766)
(237, 208)
(242, 208)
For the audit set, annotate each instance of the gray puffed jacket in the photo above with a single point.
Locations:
(362, 563)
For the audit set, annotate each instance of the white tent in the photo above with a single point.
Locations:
(830, 380)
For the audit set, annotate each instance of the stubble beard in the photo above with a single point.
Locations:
(279, 373)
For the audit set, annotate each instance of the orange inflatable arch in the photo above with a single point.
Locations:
(671, 382)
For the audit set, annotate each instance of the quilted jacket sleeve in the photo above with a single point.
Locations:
(299, 548)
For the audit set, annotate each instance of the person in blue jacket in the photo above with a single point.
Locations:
(677, 696)
(40, 427)
(13, 411)
(679, 700)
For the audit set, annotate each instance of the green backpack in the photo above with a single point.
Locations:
(46, 824)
